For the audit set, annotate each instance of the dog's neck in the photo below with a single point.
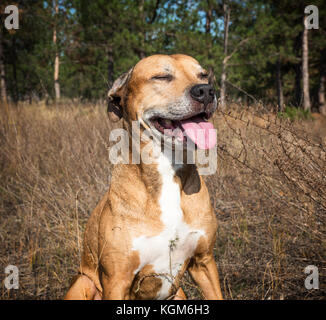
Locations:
(165, 166)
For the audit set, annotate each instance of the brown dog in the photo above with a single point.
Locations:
(156, 220)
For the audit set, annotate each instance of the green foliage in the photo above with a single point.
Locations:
(293, 114)
(98, 40)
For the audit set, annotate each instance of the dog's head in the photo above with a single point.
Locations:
(170, 95)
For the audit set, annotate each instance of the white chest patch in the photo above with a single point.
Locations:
(177, 242)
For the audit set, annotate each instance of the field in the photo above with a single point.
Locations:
(269, 194)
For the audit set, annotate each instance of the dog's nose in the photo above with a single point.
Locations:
(203, 93)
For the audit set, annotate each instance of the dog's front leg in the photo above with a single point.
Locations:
(203, 270)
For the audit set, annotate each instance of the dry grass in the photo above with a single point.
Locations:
(269, 195)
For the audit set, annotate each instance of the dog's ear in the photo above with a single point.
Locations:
(116, 96)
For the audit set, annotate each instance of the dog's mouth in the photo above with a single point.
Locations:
(196, 128)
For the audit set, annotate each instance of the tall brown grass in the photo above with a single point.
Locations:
(269, 194)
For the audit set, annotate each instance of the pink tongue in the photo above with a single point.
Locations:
(201, 132)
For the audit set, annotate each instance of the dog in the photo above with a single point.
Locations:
(156, 221)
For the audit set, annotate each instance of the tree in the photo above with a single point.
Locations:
(226, 14)
(3, 90)
(76, 48)
(321, 93)
(56, 59)
(280, 97)
(305, 68)
(317, 53)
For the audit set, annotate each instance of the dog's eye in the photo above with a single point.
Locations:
(203, 75)
(165, 77)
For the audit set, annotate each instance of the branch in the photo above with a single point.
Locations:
(246, 93)
(227, 58)
(155, 12)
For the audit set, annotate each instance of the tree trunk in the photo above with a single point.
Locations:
(226, 12)
(297, 85)
(14, 71)
(3, 90)
(142, 35)
(208, 17)
(297, 99)
(56, 59)
(305, 70)
(280, 98)
(110, 66)
(321, 94)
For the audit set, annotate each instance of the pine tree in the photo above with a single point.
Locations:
(3, 86)
(305, 69)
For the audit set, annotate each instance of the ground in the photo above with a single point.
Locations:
(269, 195)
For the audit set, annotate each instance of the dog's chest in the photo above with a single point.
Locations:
(167, 251)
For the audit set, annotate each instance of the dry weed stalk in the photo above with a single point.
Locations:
(269, 195)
